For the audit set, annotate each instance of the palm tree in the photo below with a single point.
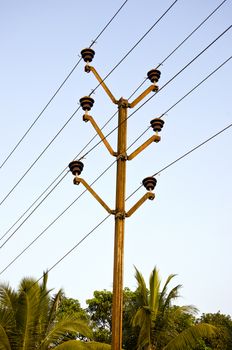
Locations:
(154, 315)
(28, 320)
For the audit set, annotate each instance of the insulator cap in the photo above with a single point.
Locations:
(157, 124)
(86, 103)
(76, 167)
(87, 54)
(149, 183)
(154, 75)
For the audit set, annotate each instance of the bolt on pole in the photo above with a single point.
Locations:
(149, 183)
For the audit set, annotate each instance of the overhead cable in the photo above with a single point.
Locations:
(59, 88)
(62, 172)
(74, 113)
(183, 41)
(187, 153)
(175, 104)
(161, 170)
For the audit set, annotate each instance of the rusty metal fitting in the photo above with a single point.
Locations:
(151, 196)
(86, 117)
(87, 68)
(86, 103)
(87, 54)
(156, 88)
(149, 183)
(154, 75)
(120, 215)
(123, 103)
(76, 180)
(157, 138)
(76, 167)
(122, 156)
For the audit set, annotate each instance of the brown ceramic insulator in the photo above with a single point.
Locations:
(149, 183)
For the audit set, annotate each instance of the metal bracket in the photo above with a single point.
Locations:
(154, 138)
(148, 195)
(122, 156)
(101, 82)
(120, 215)
(87, 118)
(77, 180)
(151, 88)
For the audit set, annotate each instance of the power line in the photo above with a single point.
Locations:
(164, 60)
(168, 82)
(170, 164)
(59, 88)
(21, 224)
(49, 186)
(161, 170)
(183, 41)
(185, 155)
(70, 118)
(182, 69)
(58, 217)
(175, 104)
(183, 97)
(137, 43)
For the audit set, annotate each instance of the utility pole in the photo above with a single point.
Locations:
(149, 183)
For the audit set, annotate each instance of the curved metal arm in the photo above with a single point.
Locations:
(87, 118)
(154, 138)
(101, 82)
(148, 195)
(78, 180)
(143, 94)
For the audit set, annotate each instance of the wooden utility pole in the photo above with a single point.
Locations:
(119, 226)
(149, 183)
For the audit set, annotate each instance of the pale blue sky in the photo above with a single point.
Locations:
(187, 229)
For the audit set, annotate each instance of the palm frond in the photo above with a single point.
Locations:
(54, 306)
(64, 326)
(154, 292)
(190, 337)
(79, 345)
(141, 289)
(28, 313)
(8, 298)
(173, 294)
(4, 341)
(165, 287)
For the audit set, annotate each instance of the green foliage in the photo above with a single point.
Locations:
(100, 315)
(222, 339)
(30, 319)
(71, 307)
(99, 311)
(161, 326)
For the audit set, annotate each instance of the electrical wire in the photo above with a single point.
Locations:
(163, 61)
(161, 170)
(21, 224)
(55, 220)
(182, 42)
(183, 97)
(175, 161)
(49, 186)
(185, 155)
(137, 43)
(188, 93)
(74, 113)
(182, 69)
(59, 88)
(168, 82)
